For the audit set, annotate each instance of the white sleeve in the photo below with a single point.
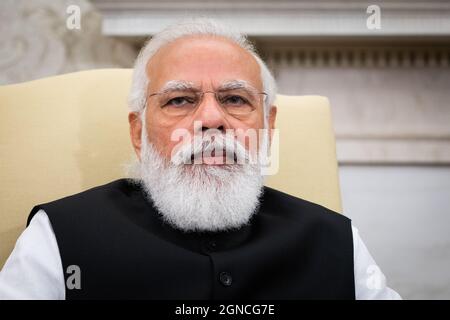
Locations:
(370, 282)
(34, 269)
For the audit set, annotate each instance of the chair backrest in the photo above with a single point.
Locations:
(64, 134)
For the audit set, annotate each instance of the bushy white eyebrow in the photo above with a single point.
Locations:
(178, 85)
(174, 85)
(234, 84)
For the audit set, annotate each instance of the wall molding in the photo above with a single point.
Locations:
(281, 18)
(384, 111)
(393, 151)
(378, 57)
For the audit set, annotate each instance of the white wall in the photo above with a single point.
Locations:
(403, 214)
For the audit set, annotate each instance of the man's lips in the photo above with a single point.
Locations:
(212, 159)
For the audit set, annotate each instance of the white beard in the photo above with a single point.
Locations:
(200, 197)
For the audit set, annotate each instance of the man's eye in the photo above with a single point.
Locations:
(235, 100)
(179, 101)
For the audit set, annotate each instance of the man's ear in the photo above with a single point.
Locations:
(135, 122)
(272, 118)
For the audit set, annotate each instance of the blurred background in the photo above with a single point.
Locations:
(384, 65)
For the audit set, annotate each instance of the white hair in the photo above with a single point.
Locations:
(195, 26)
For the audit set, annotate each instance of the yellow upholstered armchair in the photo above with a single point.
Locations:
(64, 134)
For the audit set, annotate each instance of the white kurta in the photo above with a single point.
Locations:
(34, 269)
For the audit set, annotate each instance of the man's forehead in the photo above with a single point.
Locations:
(203, 61)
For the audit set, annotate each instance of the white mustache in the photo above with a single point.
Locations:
(192, 152)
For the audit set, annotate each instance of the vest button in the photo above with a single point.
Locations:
(226, 279)
(209, 246)
(212, 245)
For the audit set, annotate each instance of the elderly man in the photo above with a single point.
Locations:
(197, 221)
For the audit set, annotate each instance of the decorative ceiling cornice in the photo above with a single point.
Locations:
(281, 18)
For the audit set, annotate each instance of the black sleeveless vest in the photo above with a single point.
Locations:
(291, 249)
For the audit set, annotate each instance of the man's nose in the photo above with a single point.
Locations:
(210, 113)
